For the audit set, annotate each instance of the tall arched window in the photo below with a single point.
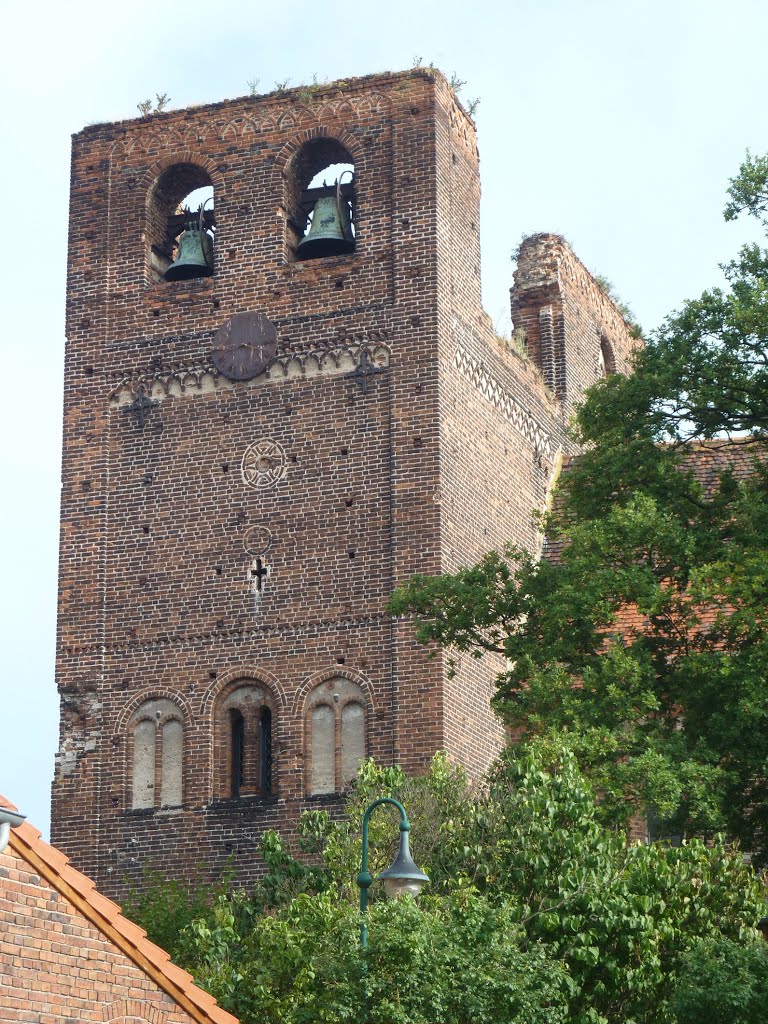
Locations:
(243, 724)
(335, 735)
(180, 203)
(320, 201)
(606, 360)
(156, 746)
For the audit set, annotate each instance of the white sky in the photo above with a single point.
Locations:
(614, 122)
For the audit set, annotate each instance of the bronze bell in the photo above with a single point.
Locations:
(330, 233)
(195, 258)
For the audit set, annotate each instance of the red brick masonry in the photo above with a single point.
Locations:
(68, 954)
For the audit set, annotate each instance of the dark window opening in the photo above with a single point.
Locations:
(180, 225)
(265, 752)
(320, 201)
(237, 736)
(606, 358)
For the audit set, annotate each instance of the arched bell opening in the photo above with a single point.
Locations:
(180, 225)
(320, 201)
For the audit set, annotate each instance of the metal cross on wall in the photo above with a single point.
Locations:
(364, 372)
(140, 406)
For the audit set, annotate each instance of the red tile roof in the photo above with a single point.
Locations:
(80, 891)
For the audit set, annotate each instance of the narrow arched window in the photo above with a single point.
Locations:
(156, 745)
(606, 360)
(320, 202)
(144, 765)
(265, 750)
(335, 735)
(237, 742)
(243, 720)
(180, 225)
(323, 749)
(352, 741)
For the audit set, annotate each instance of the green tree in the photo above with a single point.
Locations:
(536, 910)
(647, 643)
(722, 982)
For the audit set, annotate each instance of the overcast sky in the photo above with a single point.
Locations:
(616, 123)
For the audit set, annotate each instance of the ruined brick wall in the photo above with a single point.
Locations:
(186, 571)
(569, 326)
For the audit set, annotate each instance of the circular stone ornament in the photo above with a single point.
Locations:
(244, 346)
(257, 540)
(264, 464)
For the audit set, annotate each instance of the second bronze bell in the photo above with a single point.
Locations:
(195, 257)
(330, 233)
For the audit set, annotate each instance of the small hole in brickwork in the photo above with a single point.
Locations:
(344, 451)
(143, 581)
(288, 410)
(155, 312)
(351, 552)
(294, 458)
(231, 253)
(339, 283)
(218, 570)
(219, 623)
(414, 110)
(225, 467)
(454, 158)
(85, 324)
(340, 661)
(215, 303)
(417, 442)
(212, 674)
(349, 502)
(145, 529)
(147, 478)
(416, 321)
(417, 389)
(89, 371)
(405, 222)
(85, 485)
(229, 847)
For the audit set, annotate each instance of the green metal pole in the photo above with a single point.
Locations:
(364, 879)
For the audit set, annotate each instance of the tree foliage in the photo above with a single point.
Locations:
(536, 910)
(647, 642)
(722, 982)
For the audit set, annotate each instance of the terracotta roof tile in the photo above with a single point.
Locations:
(27, 843)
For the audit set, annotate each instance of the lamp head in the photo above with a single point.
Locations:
(403, 875)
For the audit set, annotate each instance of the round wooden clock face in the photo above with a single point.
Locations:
(244, 346)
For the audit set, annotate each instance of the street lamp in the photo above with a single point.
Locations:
(401, 876)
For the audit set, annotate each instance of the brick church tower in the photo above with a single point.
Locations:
(256, 455)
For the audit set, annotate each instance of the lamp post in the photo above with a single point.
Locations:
(401, 876)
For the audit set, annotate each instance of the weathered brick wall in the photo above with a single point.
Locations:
(570, 327)
(442, 456)
(55, 965)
